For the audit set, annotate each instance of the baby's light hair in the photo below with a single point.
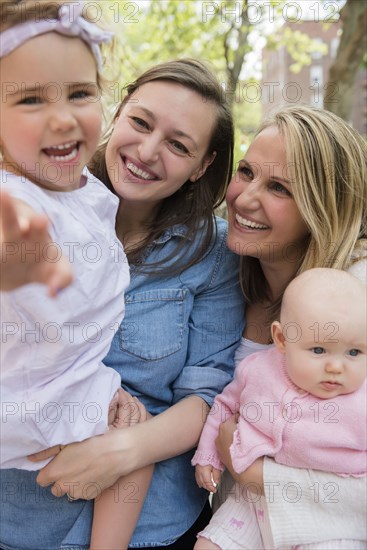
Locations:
(325, 283)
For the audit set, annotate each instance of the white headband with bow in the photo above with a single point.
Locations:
(69, 23)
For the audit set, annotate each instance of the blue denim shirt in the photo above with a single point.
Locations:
(177, 339)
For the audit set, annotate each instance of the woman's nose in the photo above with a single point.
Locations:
(148, 149)
(250, 195)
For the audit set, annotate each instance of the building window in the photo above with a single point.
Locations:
(334, 44)
(317, 55)
(317, 85)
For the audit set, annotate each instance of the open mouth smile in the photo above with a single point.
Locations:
(63, 153)
(139, 172)
(248, 224)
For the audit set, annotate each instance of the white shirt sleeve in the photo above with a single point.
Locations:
(308, 506)
(359, 270)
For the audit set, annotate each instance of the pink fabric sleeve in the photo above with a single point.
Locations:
(225, 405)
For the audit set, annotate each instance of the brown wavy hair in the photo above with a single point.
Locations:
(193, 204)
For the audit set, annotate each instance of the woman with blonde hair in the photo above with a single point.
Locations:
(326, 165)
(297, 201)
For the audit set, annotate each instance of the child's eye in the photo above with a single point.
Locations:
(80, 94)
(31, 100)
(354, 352)
(318, 350)
(84, 91)
(279, 188)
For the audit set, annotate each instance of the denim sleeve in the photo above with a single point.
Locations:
(215, 327)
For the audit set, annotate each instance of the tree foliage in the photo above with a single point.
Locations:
(349, 57)
(225, 34)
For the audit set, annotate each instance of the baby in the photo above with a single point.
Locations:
(297, 402)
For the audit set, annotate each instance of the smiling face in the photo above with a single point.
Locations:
(264, 220)
(160, 140)
(323, 333)
(50, 111)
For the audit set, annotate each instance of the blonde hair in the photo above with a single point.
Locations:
(327, 166)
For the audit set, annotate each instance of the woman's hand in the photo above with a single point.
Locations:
(253, 476)
(103, 459)
(96, 463)
(84, 470)
(224, 441)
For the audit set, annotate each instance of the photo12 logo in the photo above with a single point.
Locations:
(233, 12)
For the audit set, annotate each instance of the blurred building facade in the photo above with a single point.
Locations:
(280, 86)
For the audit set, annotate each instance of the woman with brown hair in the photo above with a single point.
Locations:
(168, 156)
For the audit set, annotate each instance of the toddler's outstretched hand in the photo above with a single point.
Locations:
(24, 243)
(207, 477)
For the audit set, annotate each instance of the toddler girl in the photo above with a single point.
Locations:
(54, 386)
